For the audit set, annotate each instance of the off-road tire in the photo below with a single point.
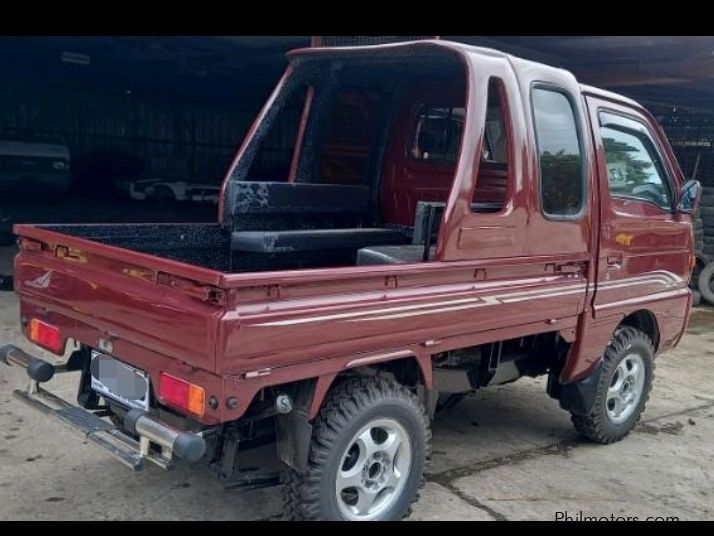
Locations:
(597, 426)
(704, 283)
(348, 406)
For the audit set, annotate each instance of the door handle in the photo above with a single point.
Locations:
(614, 261)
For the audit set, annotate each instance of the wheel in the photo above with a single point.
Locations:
(705, 283)
(623, 388)
(369, 447)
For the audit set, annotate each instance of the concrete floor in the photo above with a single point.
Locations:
(505, 453)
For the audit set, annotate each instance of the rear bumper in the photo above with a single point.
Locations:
(141, 438)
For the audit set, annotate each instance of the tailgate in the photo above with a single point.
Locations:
(165, 306)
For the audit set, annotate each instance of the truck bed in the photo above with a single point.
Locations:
(168, 296)
(199, 244)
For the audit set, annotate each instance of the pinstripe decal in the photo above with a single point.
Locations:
(660, 277)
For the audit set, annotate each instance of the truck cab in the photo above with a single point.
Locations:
(447, 218)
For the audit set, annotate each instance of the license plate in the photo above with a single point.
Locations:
(119, 381)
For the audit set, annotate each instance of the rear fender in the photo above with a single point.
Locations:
(294, 430)
(324, 382)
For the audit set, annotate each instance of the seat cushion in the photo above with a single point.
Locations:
(392, 254)
(313, 239)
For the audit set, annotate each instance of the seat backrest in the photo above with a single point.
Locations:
(421, 220)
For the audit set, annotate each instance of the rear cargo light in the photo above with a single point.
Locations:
(182, 394)
(45, 335)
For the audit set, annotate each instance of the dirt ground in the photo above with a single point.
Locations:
(504, 453)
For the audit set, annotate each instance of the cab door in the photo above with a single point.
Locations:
(645, 245)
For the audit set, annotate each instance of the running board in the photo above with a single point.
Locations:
(98, 432)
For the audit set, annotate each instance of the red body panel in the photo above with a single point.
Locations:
(495, 276)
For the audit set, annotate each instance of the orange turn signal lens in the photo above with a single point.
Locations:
(196, 399)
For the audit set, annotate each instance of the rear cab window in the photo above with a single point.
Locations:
(436, 136)
(560, 153)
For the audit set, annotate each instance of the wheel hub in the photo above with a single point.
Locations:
(626, 387)
(374, 470)
(377, 470)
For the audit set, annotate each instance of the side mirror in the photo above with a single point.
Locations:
(690, 197)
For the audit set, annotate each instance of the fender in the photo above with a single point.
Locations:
(294, 430)
(325, 381)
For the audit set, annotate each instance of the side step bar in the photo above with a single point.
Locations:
(120, 445)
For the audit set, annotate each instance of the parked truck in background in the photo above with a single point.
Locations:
(452, 218)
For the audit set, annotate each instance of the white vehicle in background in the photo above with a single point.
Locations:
(31, 165)
(164, 191)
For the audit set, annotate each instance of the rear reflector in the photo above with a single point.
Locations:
(182, 394)
(45, 335)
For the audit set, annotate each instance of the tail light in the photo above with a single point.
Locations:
(182, 394)
(46, 335)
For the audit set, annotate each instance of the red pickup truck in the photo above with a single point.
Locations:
(451, 218)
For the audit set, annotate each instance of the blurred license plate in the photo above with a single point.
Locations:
(119, 381)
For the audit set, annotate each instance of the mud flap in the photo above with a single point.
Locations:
(293, 431)
(293, 440)
(577, 397)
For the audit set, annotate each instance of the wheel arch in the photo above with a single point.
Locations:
(409, 368)
(645, 321)
(294, 430)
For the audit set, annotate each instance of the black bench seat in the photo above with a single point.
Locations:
(313, 239)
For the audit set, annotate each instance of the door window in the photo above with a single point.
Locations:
(634, 169)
